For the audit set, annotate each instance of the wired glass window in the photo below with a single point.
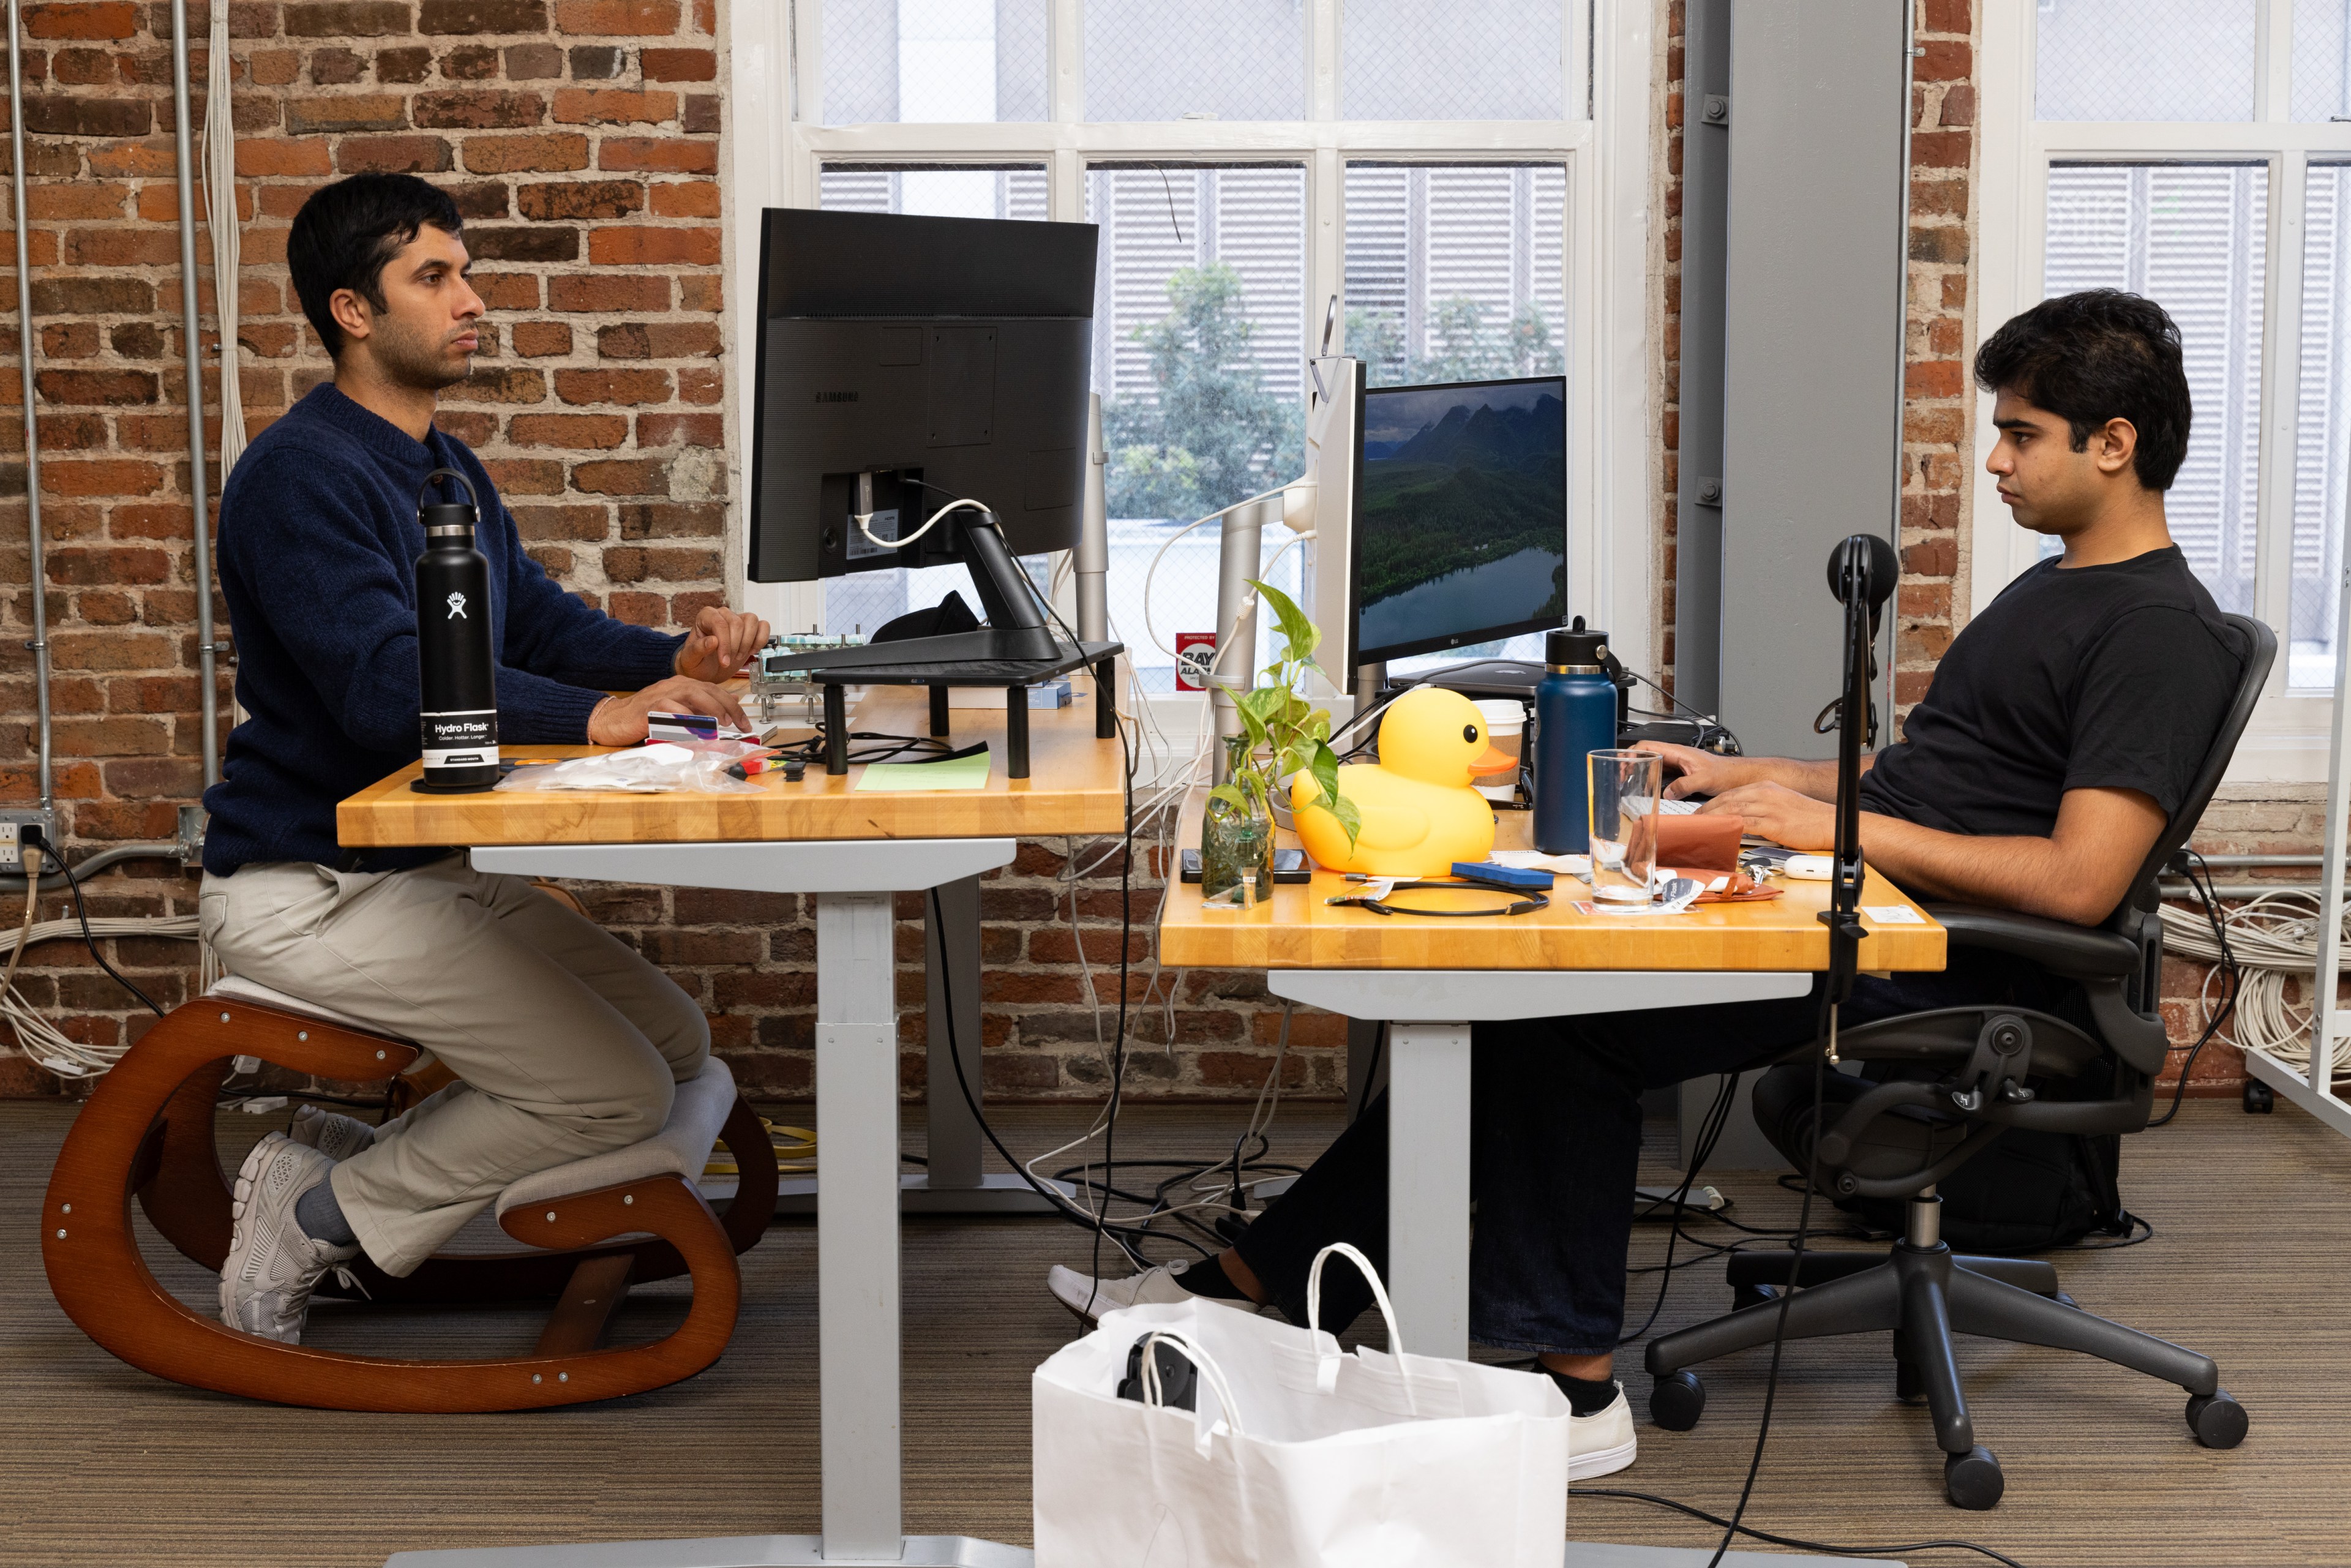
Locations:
(1202, 59)
(2191, 238)
(1438, 60)
(2145, 60)
(933, 61)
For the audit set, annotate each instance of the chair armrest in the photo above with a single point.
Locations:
(2076, 952)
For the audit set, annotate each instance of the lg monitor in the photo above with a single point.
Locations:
(1459, 529)
(905, 363)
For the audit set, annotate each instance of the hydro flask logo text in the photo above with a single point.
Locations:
(456, 607)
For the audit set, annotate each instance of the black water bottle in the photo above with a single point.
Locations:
(458, 717)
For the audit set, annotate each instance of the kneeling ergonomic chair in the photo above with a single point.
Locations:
(590, 1228)
(1898, 1138)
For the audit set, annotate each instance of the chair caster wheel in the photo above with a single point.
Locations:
(2217, 1419)
(1972, 1480)
(2063, 1300)
(1910, 1384)
(1677, 1401)
(2260, 1098)
(1745, 1296)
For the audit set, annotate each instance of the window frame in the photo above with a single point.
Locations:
(1612, 67)
(2289, 739)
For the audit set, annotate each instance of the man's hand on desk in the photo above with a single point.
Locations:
(721, 642)
(620, 721)
(1776, 813)
(1690, 771)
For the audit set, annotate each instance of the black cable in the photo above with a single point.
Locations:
(2228, 966)
(91, 941)
(1904, 1550)
(1795, 1270)
(1710, 1127)
(1371, 1071)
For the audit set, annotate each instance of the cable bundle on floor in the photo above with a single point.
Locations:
(2272, 938)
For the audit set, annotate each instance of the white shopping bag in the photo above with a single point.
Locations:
(1298, 1456)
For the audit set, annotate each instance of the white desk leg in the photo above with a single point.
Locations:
(1429, 1186)
(857, 1224)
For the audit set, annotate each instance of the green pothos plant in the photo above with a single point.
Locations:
(1282, 733)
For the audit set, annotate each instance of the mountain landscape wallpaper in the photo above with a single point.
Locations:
(1461, 520)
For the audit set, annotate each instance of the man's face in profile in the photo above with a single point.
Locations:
(426, 335)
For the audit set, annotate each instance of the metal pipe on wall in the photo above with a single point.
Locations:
(190, 324)
(40, 643)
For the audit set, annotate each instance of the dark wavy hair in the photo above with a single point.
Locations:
(2098, 355)
(346, 232)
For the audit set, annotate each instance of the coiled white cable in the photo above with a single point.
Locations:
(41, 1040)
(2273, 938)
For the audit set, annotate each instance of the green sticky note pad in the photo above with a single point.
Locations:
(962, 773)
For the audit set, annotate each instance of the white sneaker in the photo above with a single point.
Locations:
(1602, 1443)
(272, 1266)
(1089, 1298)
(332, 1134)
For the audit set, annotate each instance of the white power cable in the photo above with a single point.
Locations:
(41, 1040)
(219, 170)
(865, 524)
(1148, 629)
(2273, 938)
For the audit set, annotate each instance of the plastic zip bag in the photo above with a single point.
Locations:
(664, 767)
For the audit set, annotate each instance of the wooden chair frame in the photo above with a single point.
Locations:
(147, 1132)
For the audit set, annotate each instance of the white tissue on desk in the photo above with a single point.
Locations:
(695, 766)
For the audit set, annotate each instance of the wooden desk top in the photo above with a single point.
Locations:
(1297, 931)
(1076, 785)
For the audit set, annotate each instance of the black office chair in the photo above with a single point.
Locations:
(1897, 1138)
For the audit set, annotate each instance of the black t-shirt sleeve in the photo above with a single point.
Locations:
(2147, 701)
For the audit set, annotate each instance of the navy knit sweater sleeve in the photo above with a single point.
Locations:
(317, 540)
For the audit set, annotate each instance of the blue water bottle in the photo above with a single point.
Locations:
(1576, 715)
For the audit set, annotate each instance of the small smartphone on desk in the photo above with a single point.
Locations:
(1289, 866)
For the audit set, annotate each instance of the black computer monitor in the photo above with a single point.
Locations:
(955, 351)
(1459, 532)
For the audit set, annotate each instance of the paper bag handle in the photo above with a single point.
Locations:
(1326, 1345)
(1206, 1365)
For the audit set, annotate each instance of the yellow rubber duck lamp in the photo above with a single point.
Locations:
(1419, 813)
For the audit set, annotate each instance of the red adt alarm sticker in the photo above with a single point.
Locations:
(1195, 652)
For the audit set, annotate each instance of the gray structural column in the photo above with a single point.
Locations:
(857, 1224)
(1815, 251)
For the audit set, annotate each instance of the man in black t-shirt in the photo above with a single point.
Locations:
(2063, 727)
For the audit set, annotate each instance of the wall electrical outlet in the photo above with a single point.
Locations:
(13, 823)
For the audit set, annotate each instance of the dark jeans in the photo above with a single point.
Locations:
(1555, 1137)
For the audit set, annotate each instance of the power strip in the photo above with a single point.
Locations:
(14, 820)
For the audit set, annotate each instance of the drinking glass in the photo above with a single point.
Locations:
(1623, 796)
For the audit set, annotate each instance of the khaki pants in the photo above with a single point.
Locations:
(566, 1041)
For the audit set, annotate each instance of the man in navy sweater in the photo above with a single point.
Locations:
(566, 1043)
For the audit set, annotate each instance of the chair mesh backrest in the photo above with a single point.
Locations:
(2260, 651)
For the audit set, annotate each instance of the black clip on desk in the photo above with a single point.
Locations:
(1015, 676)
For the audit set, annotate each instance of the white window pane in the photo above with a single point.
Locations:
(1199, 357)
(1456, 272)
(2193, 239)
(2145, 59)
(860, 601)
(2322, 456)
(2322, 60)
(1202, 59)
(1438, 59)
(931, 60)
